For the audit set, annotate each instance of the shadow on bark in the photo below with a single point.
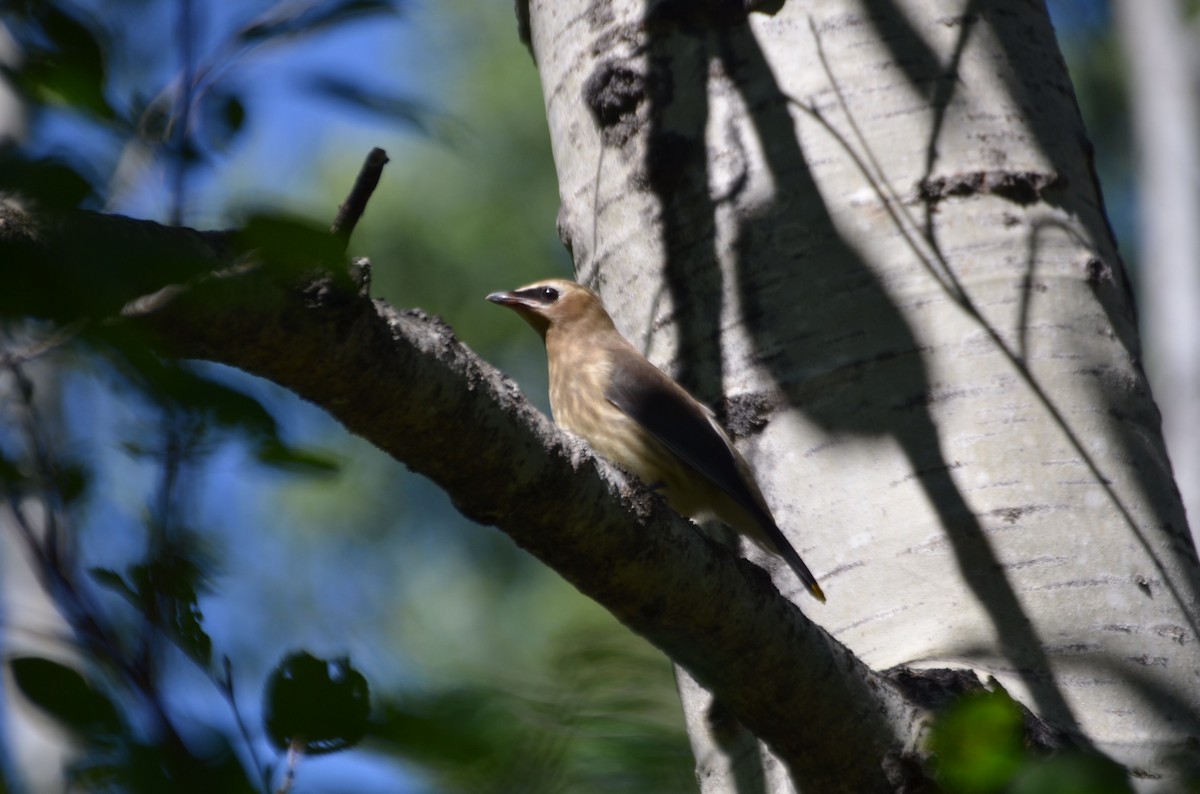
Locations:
(676, 168)
(1035, 77)
(848, 370)
(845, 370)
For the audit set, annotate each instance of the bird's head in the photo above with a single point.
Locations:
(556, 304)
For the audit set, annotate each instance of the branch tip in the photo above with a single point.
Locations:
(352, 209)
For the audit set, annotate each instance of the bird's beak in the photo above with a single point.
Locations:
(503, 298)
(512, 300)
(530, 311)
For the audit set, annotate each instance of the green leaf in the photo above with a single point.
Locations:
(179, 387)
(72, 481)
(227, 118)
(321, 704)
(168, 586)
(978, 743)
(52, 183)
(294, 459)
(69, 478)
(72, 71)
(187, 624)
(112, 580)
(11, 476)
(292, 244)
(66, 695)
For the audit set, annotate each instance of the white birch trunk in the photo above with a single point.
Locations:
(875, 229)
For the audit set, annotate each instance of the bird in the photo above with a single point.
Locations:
(630, 412)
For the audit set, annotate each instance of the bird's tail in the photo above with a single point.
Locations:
(793, 560)
(779, 544)
(751, 518)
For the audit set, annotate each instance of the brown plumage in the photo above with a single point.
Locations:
(603, 389)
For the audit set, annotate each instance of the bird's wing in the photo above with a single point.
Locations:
(688, 429)
(679, 423)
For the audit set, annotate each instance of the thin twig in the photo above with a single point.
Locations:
(225, 686)
(352, 209)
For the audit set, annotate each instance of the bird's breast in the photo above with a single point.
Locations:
(579, 404)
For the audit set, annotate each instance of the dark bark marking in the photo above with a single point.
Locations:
(613, 93)
(1019, 187)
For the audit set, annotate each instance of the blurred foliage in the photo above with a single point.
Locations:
(181, 541)
(288, 243)
(978, 744)
(979, 747)
(591, 725)
(184, 114)
(53, 184)
(315, 705)
(115, 759)
(65, 59)
(165, 589)
(64, 694)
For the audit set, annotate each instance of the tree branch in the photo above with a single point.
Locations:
(401, 380)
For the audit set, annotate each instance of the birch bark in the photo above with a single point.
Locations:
(870, 233)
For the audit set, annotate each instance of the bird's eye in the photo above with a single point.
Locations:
(549, 294)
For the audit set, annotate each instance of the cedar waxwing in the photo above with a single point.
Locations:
(603, 389)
